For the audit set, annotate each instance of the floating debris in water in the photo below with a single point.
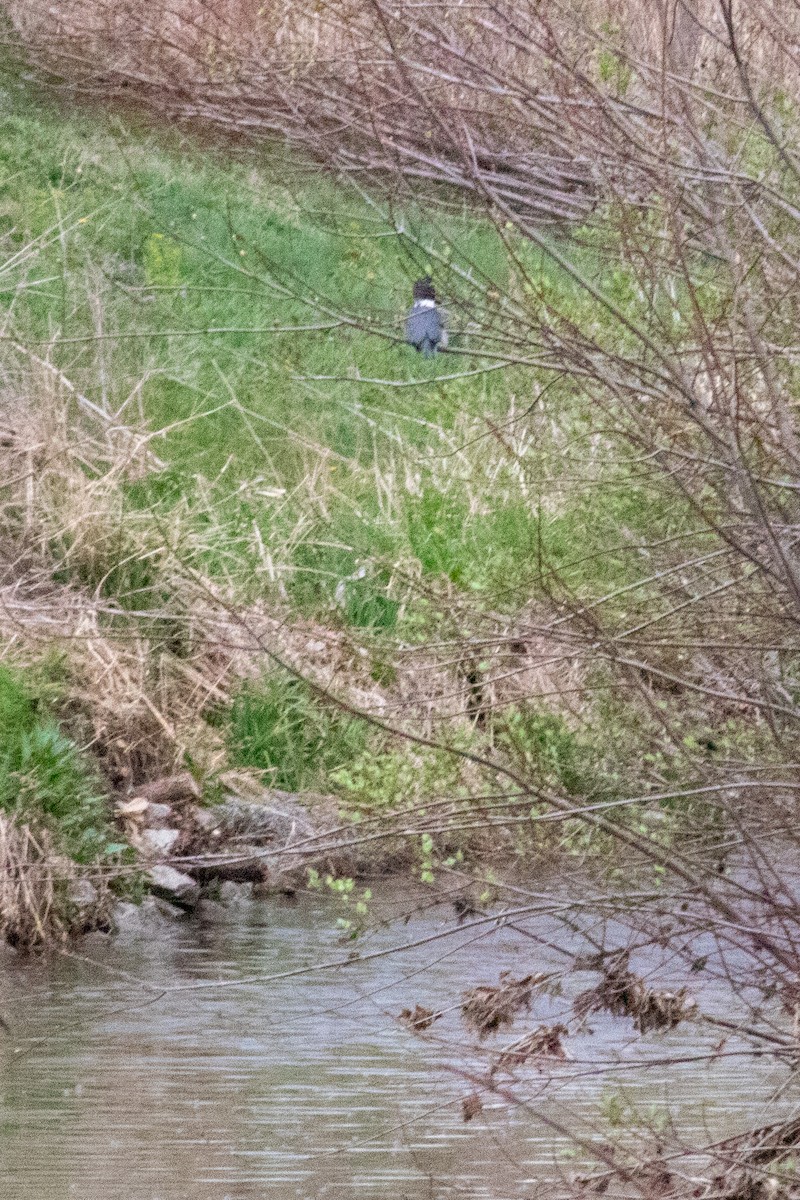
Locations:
(544, 1042)
(419, 1017)
(487, 1009)
(624, 994)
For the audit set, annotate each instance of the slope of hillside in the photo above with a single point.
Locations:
(245, 525)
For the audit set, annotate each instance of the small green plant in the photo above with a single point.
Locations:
(612, 67)
(543, 743)
(621, 1112)
(615, 71)
(615, 1109)
(162, 261)
(427, 856)
(353, 902)
(398, 778)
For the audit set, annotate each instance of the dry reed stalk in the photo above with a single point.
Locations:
(33, 881)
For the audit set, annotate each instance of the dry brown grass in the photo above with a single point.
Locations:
(33, 882)
(45, 898)
(139, 679)
(139, 682)
(302, 28)
(404, 92)
(229, 41)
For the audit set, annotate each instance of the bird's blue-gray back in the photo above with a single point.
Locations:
(424, 329)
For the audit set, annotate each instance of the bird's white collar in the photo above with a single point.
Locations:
(424, 304)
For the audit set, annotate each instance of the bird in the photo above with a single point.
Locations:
(425, 326)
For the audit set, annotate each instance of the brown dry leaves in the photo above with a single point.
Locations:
(471, 1105)
(542, 1043)
(487, 1009)
(624, 994)
(419, 1018)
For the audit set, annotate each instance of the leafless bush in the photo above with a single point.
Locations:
(405, 93)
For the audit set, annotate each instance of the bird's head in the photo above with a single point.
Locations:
(424, 289)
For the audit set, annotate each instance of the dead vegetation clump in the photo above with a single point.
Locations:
(752, 1185)
(361, 81)
(419, 1017)
(758, 1165)
(486, 1010)
(471, 1106)
(624, 994)
(29, 880)
(542, 1043)
(68, 540)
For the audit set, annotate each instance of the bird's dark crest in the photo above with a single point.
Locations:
(424, 289)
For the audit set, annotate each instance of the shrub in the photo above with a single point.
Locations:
(542, 743)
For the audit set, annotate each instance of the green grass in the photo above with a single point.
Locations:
(282, 729)
(45, 780)
(140, 232)
(121, 245)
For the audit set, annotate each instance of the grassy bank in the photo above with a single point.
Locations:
(536, 597)
(241, 516)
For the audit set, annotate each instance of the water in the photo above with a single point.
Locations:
(126, 1079)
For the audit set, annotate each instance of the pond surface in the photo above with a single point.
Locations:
(178, 1067)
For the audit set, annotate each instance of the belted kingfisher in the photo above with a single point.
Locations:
(425, 327)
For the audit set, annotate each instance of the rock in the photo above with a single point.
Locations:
(159, 841)
(234, 893)
(132, 921)
(170, 911)
(82, 893)
(125, 913)
(284, 821)
(158, 816)
(174, 886)
(246, 864)
(204, 818)
(97, 939)
(134, 808)
(227, 842)
(287, 884)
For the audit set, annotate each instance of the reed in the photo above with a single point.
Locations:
(33, 877)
